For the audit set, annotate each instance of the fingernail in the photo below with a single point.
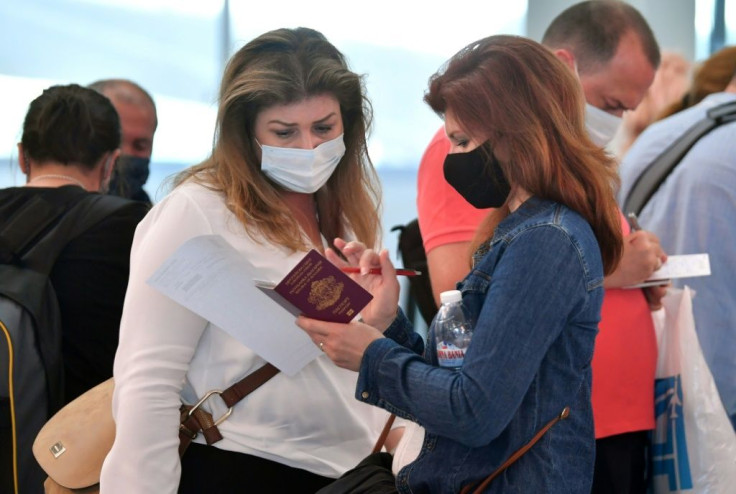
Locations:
(364, 271)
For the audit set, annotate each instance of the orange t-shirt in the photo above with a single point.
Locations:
(624, 362)
(445, 217)
(625, 355)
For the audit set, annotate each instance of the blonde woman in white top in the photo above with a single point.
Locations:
(288, 172)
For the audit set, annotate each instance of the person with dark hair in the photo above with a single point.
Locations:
(289, 170)
(611, 49)
(614, 52)
(138, 121)
(71, 138)
(692, 212)
(535, 290)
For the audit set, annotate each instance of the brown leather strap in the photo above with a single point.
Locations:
(518, 454)
(199, 420)
(384, 434)
(192, 424)
(248, 384)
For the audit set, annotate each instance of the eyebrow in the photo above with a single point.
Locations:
(287, 124)
(453, 136)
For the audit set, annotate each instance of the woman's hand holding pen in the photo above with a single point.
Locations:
(384, 287)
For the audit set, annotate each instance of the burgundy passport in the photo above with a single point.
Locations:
(318, 289)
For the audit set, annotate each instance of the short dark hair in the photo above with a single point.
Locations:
(70, 124)
(592, 31)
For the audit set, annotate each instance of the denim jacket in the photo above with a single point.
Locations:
(536, 297)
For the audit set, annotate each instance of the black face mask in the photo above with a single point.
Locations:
(129, 176)
(477, 178)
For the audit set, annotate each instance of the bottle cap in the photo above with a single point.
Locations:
(451, 296)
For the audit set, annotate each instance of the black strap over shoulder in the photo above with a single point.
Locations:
(31, 223)
(658, 170)
(38, 232)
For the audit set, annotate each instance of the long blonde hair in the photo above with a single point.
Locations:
(512, 88)
(282, 67)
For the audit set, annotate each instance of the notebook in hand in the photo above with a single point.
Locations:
(318, 289)
(678, 266)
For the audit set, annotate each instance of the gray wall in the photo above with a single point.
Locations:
(671, 21)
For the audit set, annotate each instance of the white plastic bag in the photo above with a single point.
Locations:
(693, 443)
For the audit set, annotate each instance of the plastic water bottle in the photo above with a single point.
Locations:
(453, 329)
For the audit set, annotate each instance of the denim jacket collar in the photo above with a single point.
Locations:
(531, 207)
(527, 209)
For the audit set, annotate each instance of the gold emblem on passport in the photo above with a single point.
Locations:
(325, 293)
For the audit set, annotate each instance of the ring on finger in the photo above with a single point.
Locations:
(322, 345)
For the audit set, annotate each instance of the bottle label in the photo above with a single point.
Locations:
(449, 355)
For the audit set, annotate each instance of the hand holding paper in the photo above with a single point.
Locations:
(209, 277)
(681, 266)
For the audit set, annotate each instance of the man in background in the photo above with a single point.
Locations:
(692, 212)
(138, 120)
(612, 49)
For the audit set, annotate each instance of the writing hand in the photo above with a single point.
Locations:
(641, 257)
(384, 287)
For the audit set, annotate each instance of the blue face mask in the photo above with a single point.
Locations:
(129, 176)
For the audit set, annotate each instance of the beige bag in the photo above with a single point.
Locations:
(72, 445)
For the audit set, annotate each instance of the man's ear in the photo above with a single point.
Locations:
(110, 163)
(567, 58)
(23, 163)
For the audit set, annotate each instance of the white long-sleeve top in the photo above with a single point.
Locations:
(168, 354)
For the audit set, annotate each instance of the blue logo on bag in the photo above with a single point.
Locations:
(669, 444)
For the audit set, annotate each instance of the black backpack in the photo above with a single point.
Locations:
(31, 367)
(411, 250)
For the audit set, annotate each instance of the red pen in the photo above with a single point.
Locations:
(399, 272)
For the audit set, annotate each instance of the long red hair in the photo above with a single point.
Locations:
(512, 88)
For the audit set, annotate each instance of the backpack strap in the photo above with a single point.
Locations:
(658, 170)
(67, 222)
(34, 219)
(411, 250)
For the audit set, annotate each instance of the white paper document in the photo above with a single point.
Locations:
(209, 277)
(678, 266)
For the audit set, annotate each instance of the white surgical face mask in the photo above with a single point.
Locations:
(601, 125)
(302, 170)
